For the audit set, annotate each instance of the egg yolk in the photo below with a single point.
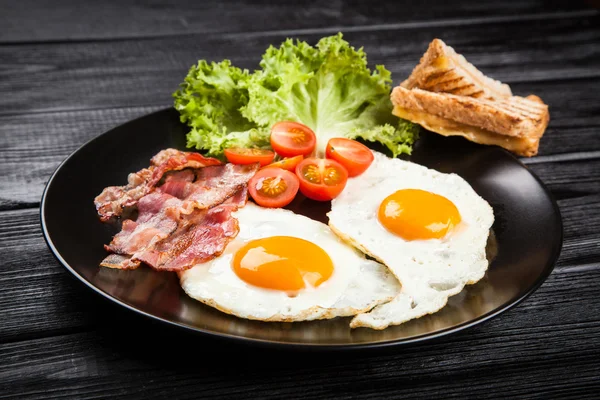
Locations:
(282, 263)
(415, 214)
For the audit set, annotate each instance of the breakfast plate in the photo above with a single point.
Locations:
(523, 245)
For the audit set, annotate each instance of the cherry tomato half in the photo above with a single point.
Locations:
(273, 187)
(290, 139)
(289, 164)
(321, 179)
(238, 155)
(355, 156)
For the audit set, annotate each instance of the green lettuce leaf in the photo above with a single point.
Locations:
(209, 101)
(397, 139)
(328, 87)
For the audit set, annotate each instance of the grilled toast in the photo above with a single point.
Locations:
(441, 69)
(448, 95)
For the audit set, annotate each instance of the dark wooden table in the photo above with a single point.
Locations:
(70, 70)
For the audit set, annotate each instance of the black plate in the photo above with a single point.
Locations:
(524, 245)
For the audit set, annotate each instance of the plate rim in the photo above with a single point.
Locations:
(548, 268)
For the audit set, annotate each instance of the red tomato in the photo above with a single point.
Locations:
(238, 155)
(355, 156)
(273, 187)
(289, 164)
(290, 139)
(321, 179)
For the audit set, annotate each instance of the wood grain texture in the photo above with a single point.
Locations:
(38, 286)
(45, 20)
(569, 178)
(526, 353)
(124, 73)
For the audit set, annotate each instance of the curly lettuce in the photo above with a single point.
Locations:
(328, 87)
(210, 100)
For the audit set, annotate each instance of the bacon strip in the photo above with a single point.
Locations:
(201, 236)
(185, 221)
(213, 186)
(157, 218)
(119, 261)
(114, 199)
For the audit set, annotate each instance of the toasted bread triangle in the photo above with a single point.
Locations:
(448, 95)
(441, 69)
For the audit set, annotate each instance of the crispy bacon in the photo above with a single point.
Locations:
(114, 199)
(158, 217)
(185, 221)
(214, 185)
(201, 236)
(120, 261)
(177, 183)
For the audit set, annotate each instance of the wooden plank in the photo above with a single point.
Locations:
(569, 140)
(38, 286)
(69, 76)
(526, 353)
(569, 178)
(54, 20)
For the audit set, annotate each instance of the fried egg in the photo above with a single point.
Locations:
(429, 228)
(286, 267)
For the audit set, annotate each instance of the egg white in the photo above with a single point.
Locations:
(429, 270)
(356, 285)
